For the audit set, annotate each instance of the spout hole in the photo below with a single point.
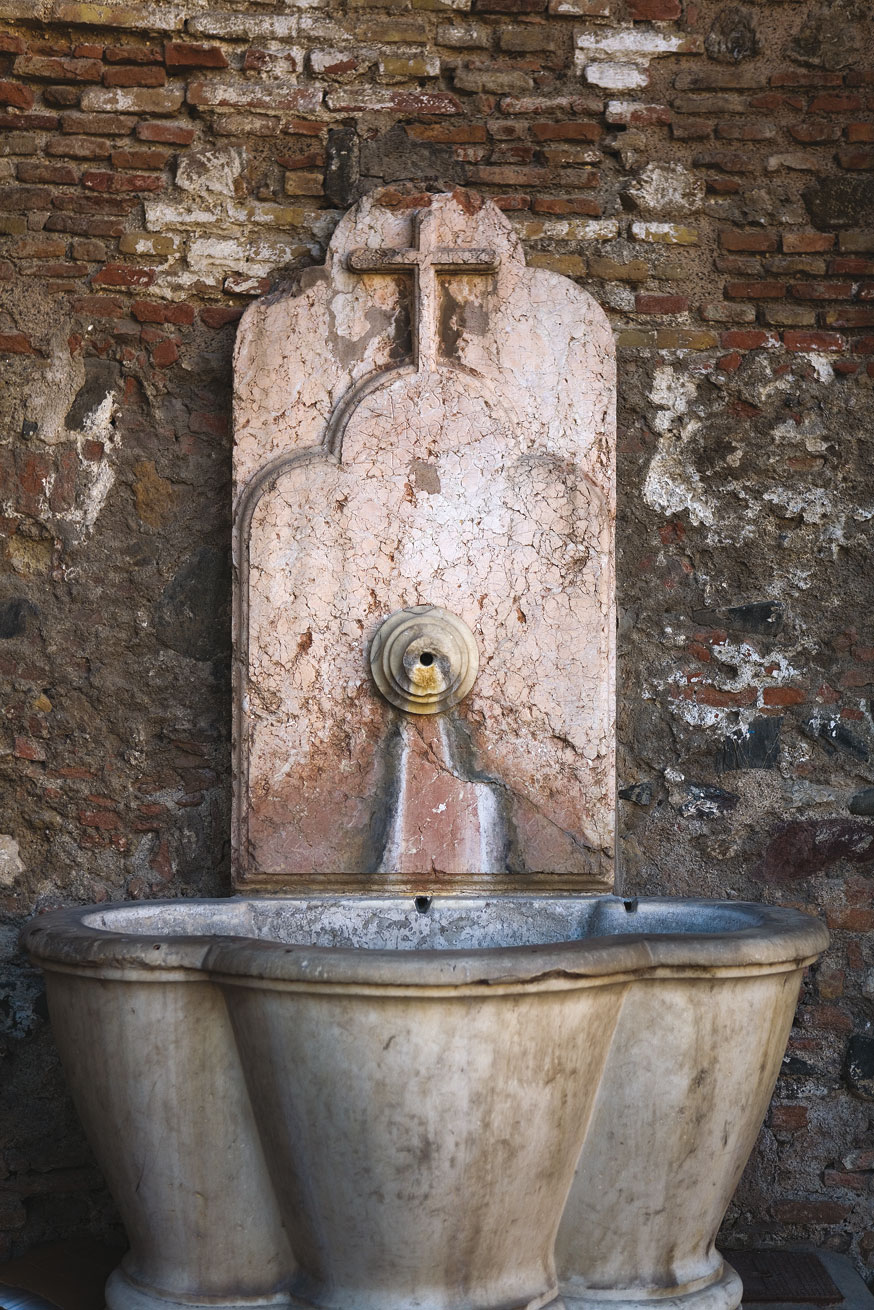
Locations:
(423, 904)
(630, 906)
(426, 658)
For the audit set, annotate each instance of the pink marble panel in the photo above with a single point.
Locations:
(435, 429)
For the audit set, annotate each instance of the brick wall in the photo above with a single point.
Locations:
(705, 170)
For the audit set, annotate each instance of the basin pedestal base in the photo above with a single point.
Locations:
(725, 1293)
(550, 1300)
(122, 1293)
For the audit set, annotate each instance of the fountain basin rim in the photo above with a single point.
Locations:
(755, 939)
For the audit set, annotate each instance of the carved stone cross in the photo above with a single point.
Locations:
(425, 261)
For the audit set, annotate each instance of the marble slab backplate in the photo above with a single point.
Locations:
(427, 422)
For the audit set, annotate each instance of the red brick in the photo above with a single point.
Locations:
(509, 6)
(78, 147)
(531, 106)
(256, 61)
(135, 75)
(773, 100)
(723, 186)
(311, 159)
(165, 354)
(566, 157)
(21, 199)
(822, 290)
(85, 225)
(565, 205)
(12, 93)
(68, 270)
(814, 131)
(64, 97)
(175, 134)
(745, 131)
(178, 54)
(509, 203)
(729, 161)
(802, 340)
(123, 275)
(691, 129)
(852, 1182)
(28, 122)
(54, 174)
(783, 696)
(132, 54)
(15, 343)
(755, 290)
(447, 133)
(48, 46)
(99, 819)
(140, 158)
(828, 1018)
(788, 1118)
(78, 202)
(41, 247)
(99, 306)
(393, 101)
(649, 303)
(159, 311)
(85, 248)
(806, 242)
(856, 678)
(11, 45)
(205, 421)
(835, 102)
(95, 180)
(852, 317)
(28, 749)
(88, 51)
(859, 131)
(814, 77)
(742, 265)
(576, 131)
(703, 693)
(33, 471)
(854, 157)
(63, 493)
(216, 316)
(59, 70)
(500, 175)
(745, 339)
(642, 11)
(97, 124)
(731, 239)
(639, 115)
(730, 363)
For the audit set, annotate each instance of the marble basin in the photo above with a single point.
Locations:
(369, 1103)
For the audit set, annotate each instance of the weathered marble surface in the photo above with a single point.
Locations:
(423, 1075)
(407, 432)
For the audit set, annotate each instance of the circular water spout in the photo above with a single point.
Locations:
(424, 659)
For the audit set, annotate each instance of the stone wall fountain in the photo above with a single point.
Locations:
(423, 1058)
